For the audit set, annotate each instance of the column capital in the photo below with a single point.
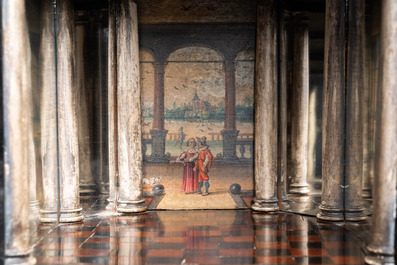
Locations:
(229, 66)
(159, 67)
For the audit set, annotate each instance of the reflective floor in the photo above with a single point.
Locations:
(198, 237)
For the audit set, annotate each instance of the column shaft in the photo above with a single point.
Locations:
(48, 115)
(16, 89)
(333, 113)
(70, 210)
(230, 96)
(229, 133)
(282, 119)
(384, 203)
(158, 133)
(102, 89)
(112, 106)
(158, 103)
(87, 185)
(266, 109)
(354, 123)
(129, 111)
(300, 110)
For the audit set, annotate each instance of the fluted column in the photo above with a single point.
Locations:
(129, 110)
(87, 185)
(16, 112)
(266, 109)
(229, 133)
(381, 247)
(112, 107)
(300, 110)
(333, 114)
(354, 122)
(158, 132)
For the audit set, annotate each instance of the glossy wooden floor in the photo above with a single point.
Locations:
(197, 237)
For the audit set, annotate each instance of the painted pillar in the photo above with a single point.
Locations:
(16, 90)
(266, 109)
(229, 133)
(158, 133)
(382, 242)
(300, 110)
(68, 163)
(354, 122)
(333, 113)
(129, 111)
(87, 185)
(112, 107)
(48, 115)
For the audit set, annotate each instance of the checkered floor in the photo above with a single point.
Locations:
(197, 237)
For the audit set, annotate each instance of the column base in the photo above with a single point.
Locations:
(330, 215)
(367, 194)
(299, 189)
(66, 216)
(111, 205)
(131, 206)
(22, 260)
(379, 259)
(34, 209)
(261, 205)
(104, 188)
(356, 215)
(379, 253)
(87, 189)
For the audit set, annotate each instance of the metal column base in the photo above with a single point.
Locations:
(262, 205)
(299, 189)
(66, 216)
(377, 259)
(356, 215)
(330, 215)
(131, 206)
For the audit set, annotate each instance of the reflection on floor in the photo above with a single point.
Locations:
(197, 237)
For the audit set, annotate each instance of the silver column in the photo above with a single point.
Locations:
(48, 115)
(112, 107)
(16, 82)
(87, 185)
(266, 109)
(354, 122)
(70, 210)
(300, 109)
(333, 113)
(384, 203)
(129, 111)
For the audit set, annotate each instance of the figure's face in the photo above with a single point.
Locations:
(192, 144)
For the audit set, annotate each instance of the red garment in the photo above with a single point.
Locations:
(200, 163)
(189, 180)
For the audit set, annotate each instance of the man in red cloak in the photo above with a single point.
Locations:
(203, 165)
